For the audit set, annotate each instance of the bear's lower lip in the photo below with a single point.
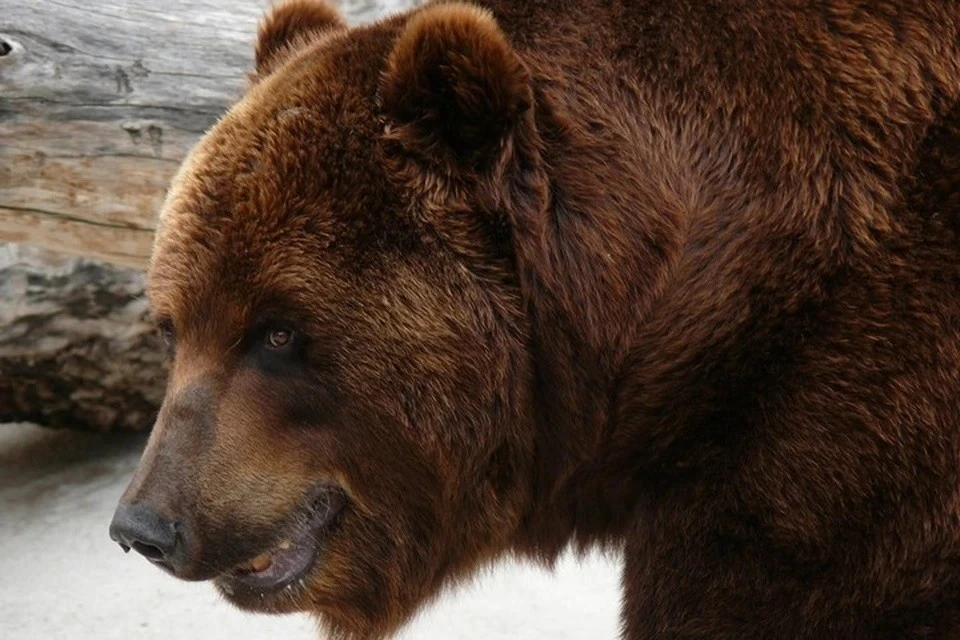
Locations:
(288, 562)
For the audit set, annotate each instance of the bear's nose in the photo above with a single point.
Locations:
(140, 528)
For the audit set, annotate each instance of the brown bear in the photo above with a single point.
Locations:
(676, 278)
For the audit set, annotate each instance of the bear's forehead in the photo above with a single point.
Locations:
(307, 133)
(286, 185)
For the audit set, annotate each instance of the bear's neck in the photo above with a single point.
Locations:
(594, 262)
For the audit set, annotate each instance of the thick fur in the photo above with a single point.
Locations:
(677, 278)
(289, 27)
(454, 88)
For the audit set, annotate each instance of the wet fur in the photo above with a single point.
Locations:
(677, 278)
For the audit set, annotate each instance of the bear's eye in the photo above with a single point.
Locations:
(278, 338)
(277, 349)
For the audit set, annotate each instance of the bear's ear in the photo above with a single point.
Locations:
(289, 24)
(454, 89)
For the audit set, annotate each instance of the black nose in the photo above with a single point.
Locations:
(140, 528)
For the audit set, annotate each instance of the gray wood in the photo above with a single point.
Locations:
(99, 101)
(77, 348)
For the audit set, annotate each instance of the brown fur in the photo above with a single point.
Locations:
(289, 27)
(677, 278)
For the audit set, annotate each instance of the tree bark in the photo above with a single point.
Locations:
(99, 102)
(76, 346)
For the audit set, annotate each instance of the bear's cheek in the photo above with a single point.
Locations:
(275, 439)
(262, 463)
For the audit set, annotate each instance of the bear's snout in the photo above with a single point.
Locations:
(156, 516)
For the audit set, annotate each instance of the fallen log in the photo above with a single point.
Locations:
(77, 348)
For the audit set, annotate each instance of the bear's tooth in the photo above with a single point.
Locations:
(261, 562)
(286, 544)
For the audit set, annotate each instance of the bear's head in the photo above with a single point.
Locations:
(346, 426)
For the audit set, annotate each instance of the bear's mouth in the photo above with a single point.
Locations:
(288, 561)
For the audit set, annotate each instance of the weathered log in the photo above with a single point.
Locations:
(99, 102)
(76, 346)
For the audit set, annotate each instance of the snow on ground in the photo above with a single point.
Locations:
(62, 578)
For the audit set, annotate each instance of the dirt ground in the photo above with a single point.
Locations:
(62, 578)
